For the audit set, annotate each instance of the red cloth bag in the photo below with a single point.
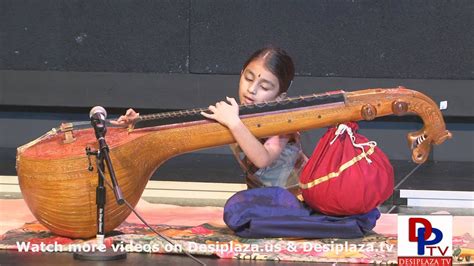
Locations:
(347, 174)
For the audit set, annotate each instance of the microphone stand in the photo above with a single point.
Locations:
(102, 160)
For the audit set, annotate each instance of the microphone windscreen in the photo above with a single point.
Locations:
(98, 111)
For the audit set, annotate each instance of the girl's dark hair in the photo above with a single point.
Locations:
(278, 62)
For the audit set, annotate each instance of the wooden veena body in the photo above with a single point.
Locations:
(60, 189)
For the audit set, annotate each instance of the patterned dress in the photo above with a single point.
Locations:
(283, 172)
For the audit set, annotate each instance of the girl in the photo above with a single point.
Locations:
(277, 160)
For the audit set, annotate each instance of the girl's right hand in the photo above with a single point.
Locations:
(127, 119)
(226, 113)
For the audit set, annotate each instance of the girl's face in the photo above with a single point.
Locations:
(257, 84)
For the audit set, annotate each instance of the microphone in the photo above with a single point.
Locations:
(97, 116)
(98, 112)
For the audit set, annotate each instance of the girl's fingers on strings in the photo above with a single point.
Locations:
(210, 116)
(212, 108)
(129, 111)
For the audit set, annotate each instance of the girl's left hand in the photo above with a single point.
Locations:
(226, 113)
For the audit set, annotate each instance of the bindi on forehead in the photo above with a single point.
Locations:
(253, 74)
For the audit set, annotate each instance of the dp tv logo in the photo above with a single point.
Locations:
(424, 238)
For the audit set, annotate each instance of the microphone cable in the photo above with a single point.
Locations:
(172, 242)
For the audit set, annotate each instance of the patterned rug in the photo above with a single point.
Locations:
(212, 239)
